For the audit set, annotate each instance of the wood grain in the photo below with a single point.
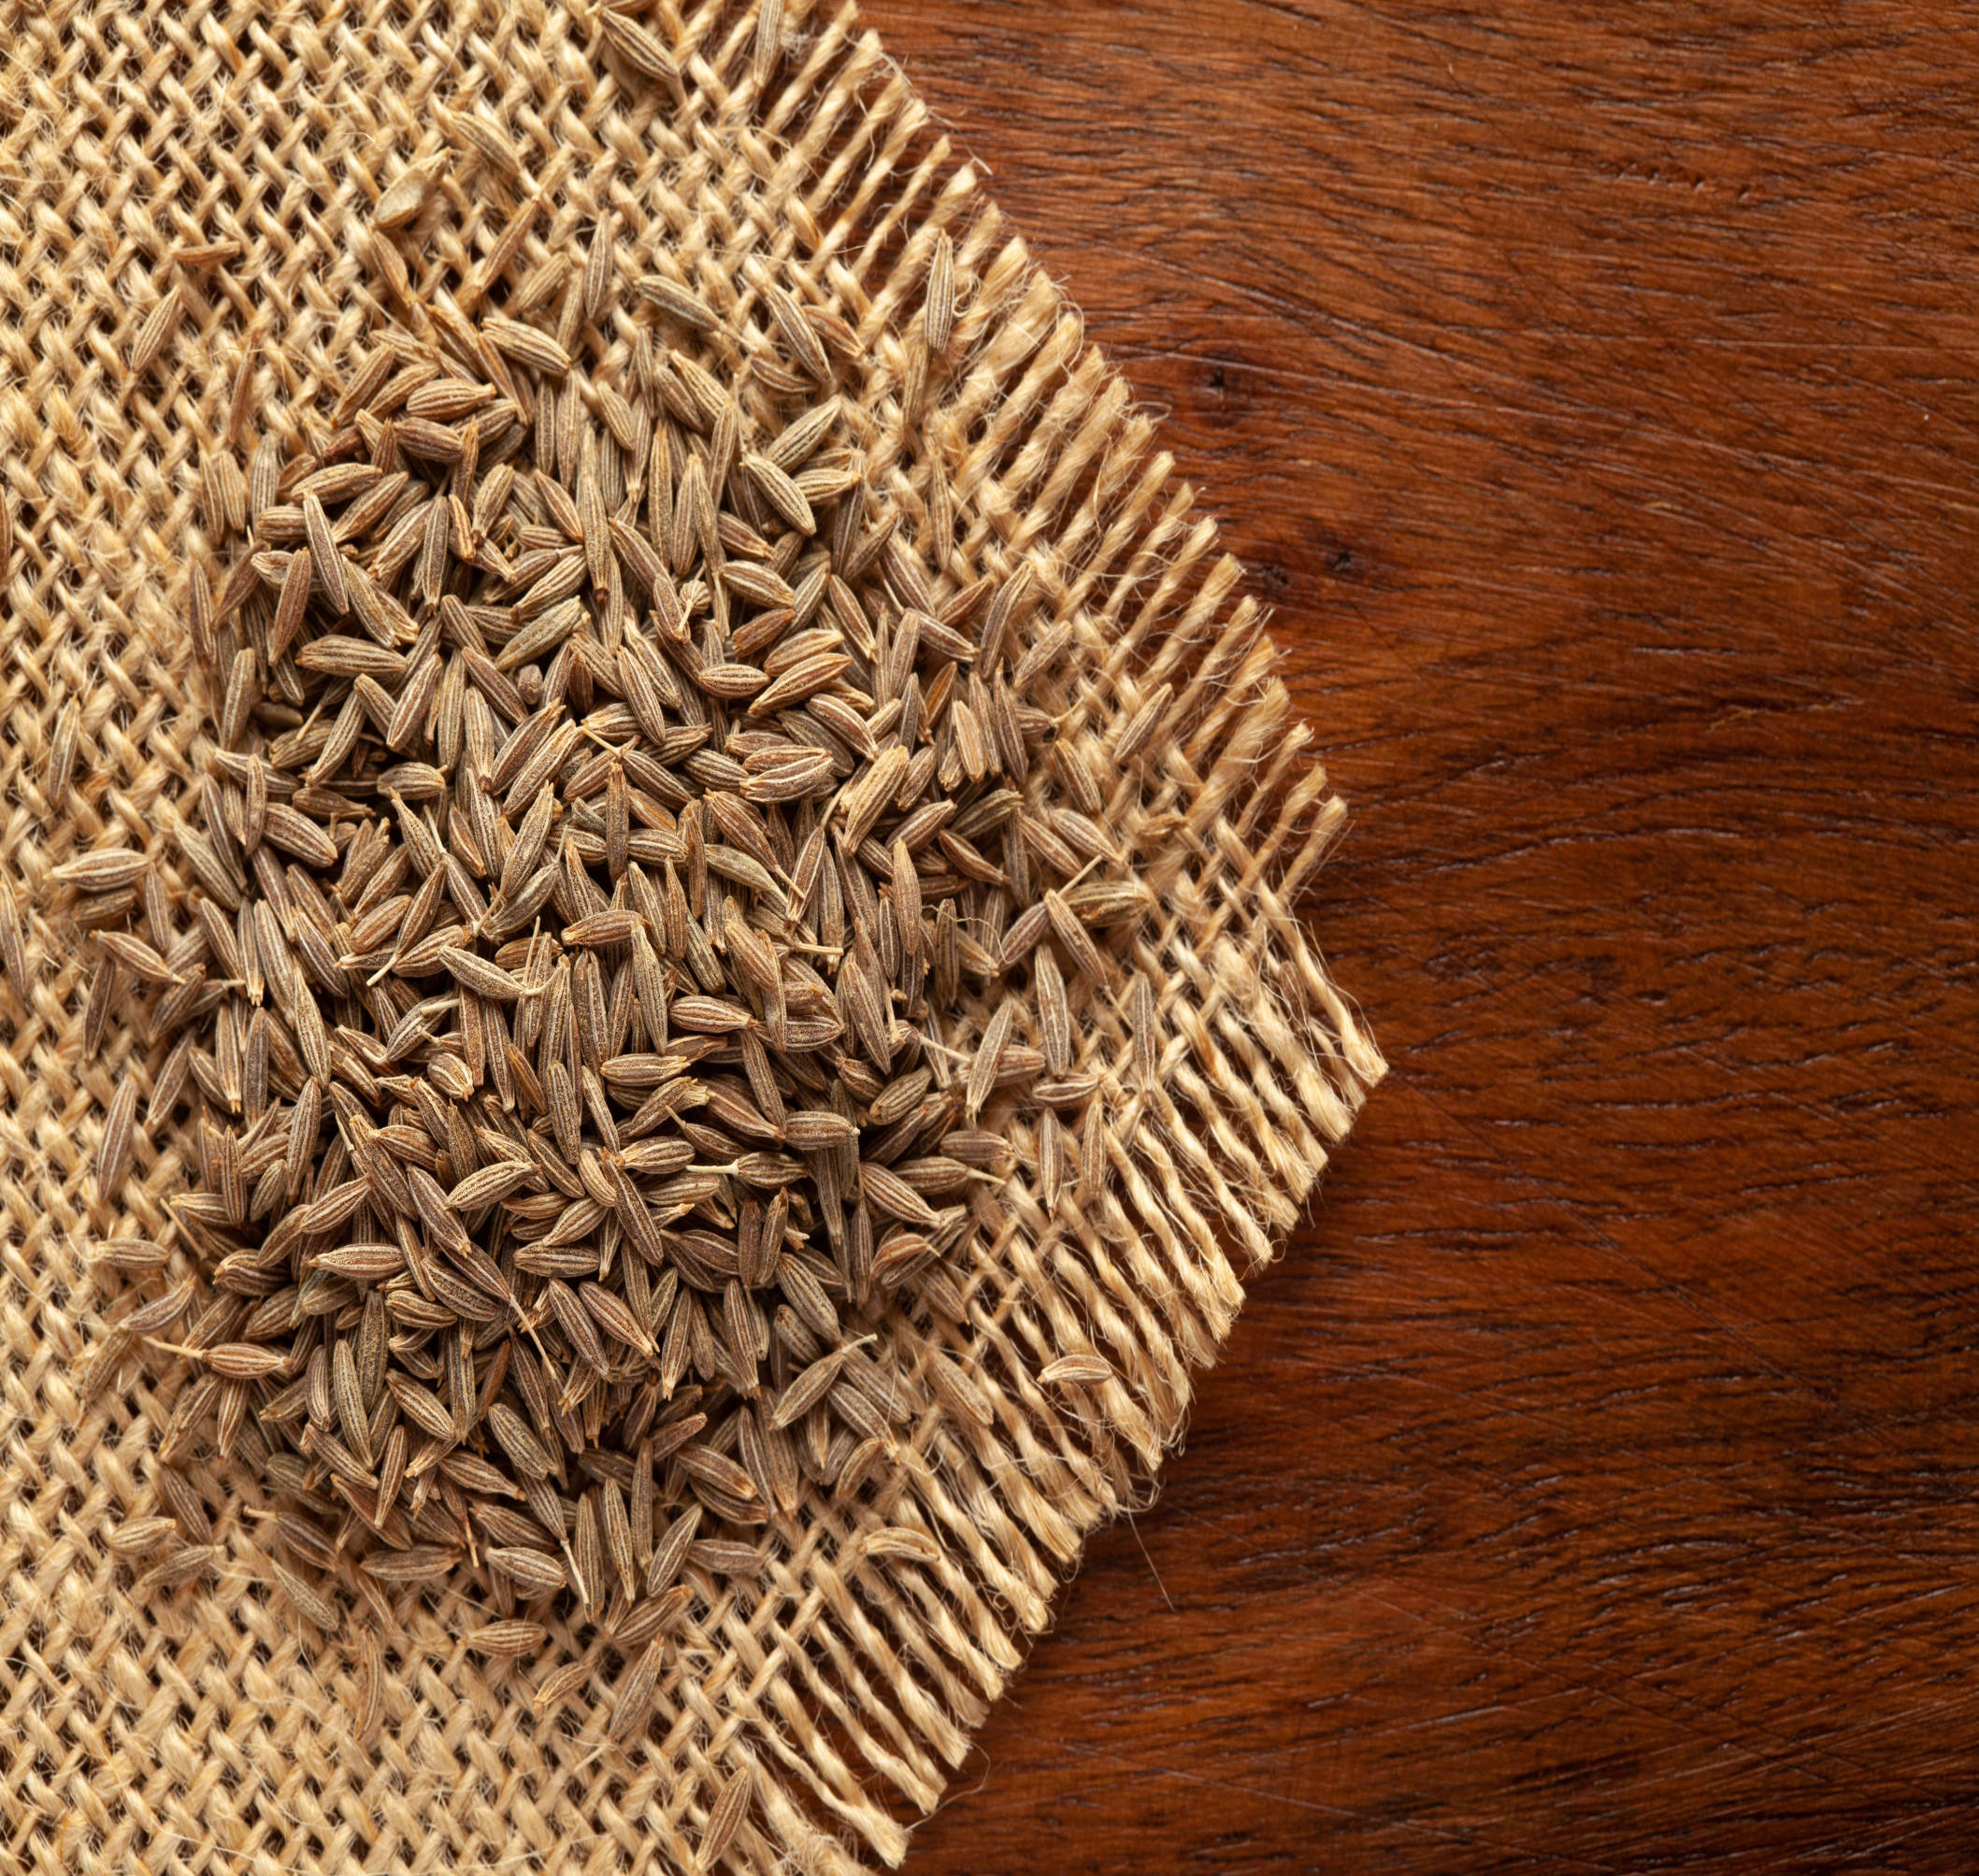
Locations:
(1592, 392)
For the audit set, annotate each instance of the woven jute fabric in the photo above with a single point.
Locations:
(235, 151)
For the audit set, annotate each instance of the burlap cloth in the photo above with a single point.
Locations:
(204, 1727)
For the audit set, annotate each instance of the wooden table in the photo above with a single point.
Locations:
(1595, 392)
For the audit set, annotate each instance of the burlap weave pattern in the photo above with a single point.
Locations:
(204, 1727)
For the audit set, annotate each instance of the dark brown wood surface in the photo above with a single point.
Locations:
(1594, 390)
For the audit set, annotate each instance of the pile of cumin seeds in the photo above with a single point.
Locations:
(632, 902)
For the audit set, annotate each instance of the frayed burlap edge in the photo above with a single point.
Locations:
(200, 1725)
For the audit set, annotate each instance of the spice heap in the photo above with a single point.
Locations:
(631, 899)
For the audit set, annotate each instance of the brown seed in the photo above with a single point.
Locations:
(264, 477)
(507, 1640)
(890, 1195)
(61, 753)
(155, 331)
(290, 606)
(348, 1393)
(520, 1444)
(325, 559)
(670, 1552)
(558, 1685)
(940, 303)
(1092, 1153)
(618, 1538)
(371, 1694)
(797, 325)
(598, 266)
(391, 1471)
(1079, 1371)
(13, 953)
(419, 1563)
(159, 1315)
(130, 1256)
(577, 1325)
(1147, 1040)
(989, 1058)
(710, 1467)
(494, 144)
(726, 1817)
(479, 975)
(435, 540)
(1055, 1018)
(244, 1361)
(639, 49)
(102, 871)
(635, 1689)
(1050, 1160)
(588, 1554)
(138, 1536)
(96, 1011)
(808, 1389)
(528, 346)
(724, 1557)
(179, 1567)
(1135, 736)
(176, 1491)
(113, 1152)
(310, 1603)
(1067, 928)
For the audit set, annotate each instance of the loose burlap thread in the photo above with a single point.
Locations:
(204, 1727)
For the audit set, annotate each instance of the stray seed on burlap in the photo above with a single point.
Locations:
(497, 149)
(310, 1604)
(637, 1687)
(1146, 1041)
(138, 1536)
(179, 1567)
(371, 1689)
(558, 1685)
(598, 266)
(156, 330)
(638, 48)
(241, 398)
(103, 871)
(113, 1152)
(940, 314)
(726, 1817)
(187, 1510)
(61, 753)
(13, 953)
(1081, 1370)
(1092, 1153)
(1050, 1160)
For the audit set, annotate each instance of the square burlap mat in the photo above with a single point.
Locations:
(235, 151)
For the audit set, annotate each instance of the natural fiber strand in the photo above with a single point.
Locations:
(186, 193)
